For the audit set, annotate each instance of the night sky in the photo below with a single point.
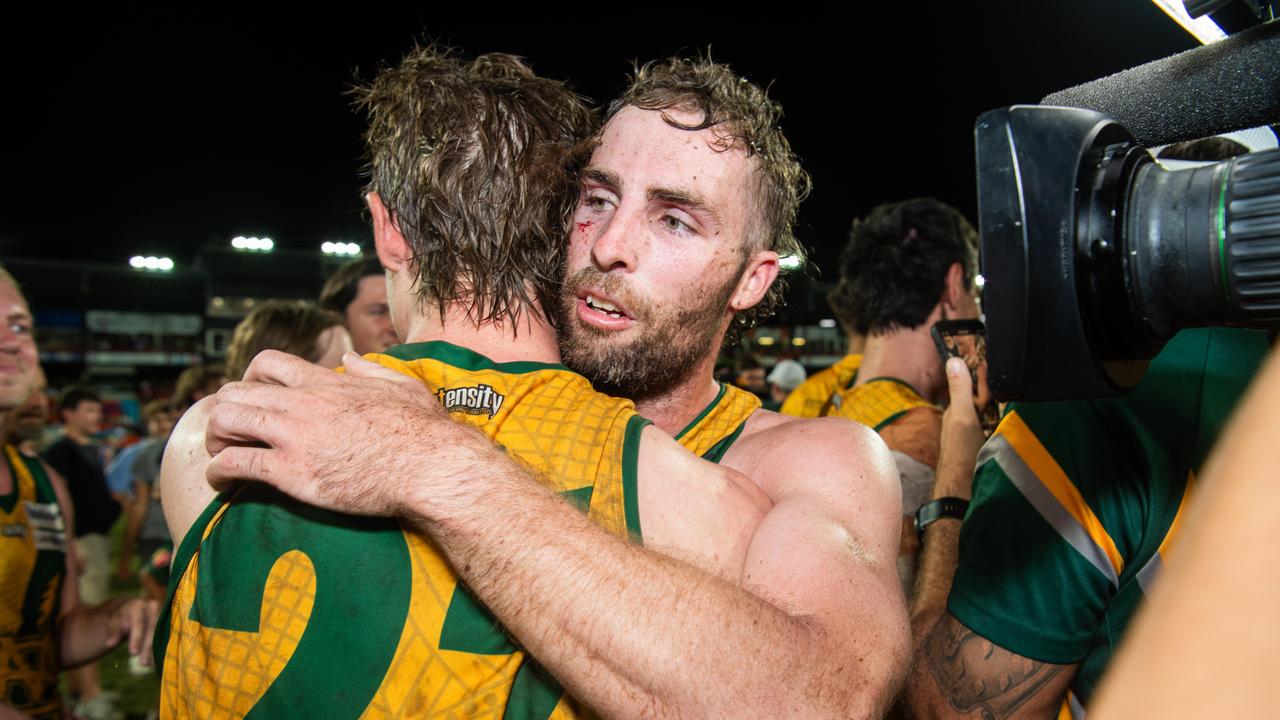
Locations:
(158, 131)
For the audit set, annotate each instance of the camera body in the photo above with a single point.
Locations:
(1094, 255)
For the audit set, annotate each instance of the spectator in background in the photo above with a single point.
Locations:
(785, 377)
(196, 382)
(358, 293)
(94, 510)
(749, 375)
(816, 396)
(145, 519)
(43, 625)
(297, 327)
(907, 265)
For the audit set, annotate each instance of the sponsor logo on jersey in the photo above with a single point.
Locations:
(477, 400)
(47, 528)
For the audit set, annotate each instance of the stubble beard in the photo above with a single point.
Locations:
(669, 348)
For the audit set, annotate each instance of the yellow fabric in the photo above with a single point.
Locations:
(551, 419)
(28, 663)
(812, 398)
(1047, 470)
(720, 420)
(877, 402)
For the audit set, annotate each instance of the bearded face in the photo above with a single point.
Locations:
(669, 339)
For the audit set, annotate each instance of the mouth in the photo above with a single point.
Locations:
(599, 310)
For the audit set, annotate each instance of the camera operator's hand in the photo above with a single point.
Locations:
(962, 434)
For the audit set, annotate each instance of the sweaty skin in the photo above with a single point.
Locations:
(769, 597)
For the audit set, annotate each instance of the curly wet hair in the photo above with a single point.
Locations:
(477, 162)
(894, 268)
(743, 116)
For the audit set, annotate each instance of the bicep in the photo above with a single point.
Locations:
(960, 672)
(184, 491)
(694, 510)
(827, 550)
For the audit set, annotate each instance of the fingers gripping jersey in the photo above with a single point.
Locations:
(814, 397)
(288, 611)
(33, 543)
(716, 428)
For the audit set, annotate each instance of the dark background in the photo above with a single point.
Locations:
(158, 131)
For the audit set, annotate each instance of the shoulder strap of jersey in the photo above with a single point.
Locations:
(26, 481)
(716, 428)
(879, 402)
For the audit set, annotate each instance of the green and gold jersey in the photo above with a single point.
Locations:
(33, 564)
(813, 398)
(1077, 504)
(282, 610)
(719, 424)
(877, 403)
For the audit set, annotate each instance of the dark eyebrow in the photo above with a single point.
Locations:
(603, 177)
(683, 198)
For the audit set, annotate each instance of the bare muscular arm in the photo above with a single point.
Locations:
(184, 494)
(815, 627)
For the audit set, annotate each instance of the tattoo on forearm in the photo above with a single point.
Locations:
(978, 675)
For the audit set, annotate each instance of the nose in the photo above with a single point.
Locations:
(613, 247)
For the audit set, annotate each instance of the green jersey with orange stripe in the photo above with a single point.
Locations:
(1076, 505)
(277, 609)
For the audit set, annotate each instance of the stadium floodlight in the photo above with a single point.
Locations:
(151, 263)
(252, 244)
(340, 248)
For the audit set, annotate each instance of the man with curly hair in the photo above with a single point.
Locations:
(792, 609)
(906, 266)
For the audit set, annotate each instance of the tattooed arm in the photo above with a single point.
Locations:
(959, 673)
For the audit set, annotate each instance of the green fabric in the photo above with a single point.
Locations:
(464, 359)
(186, 550)
(362, 570)
(716, 452)
(705, 411)
(51, 565)
(1020, 583)
(631, 475)
(534, 693)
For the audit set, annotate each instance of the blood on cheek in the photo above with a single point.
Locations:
(584, 226)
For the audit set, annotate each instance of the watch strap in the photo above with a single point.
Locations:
(944, 507)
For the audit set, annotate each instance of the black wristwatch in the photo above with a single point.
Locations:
(947, 507)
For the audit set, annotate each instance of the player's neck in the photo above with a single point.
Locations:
(530, 338)
(672, 411)
(907, 355)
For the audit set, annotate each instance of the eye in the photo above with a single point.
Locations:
(595, 203)
(20, 328)
(674, 224)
